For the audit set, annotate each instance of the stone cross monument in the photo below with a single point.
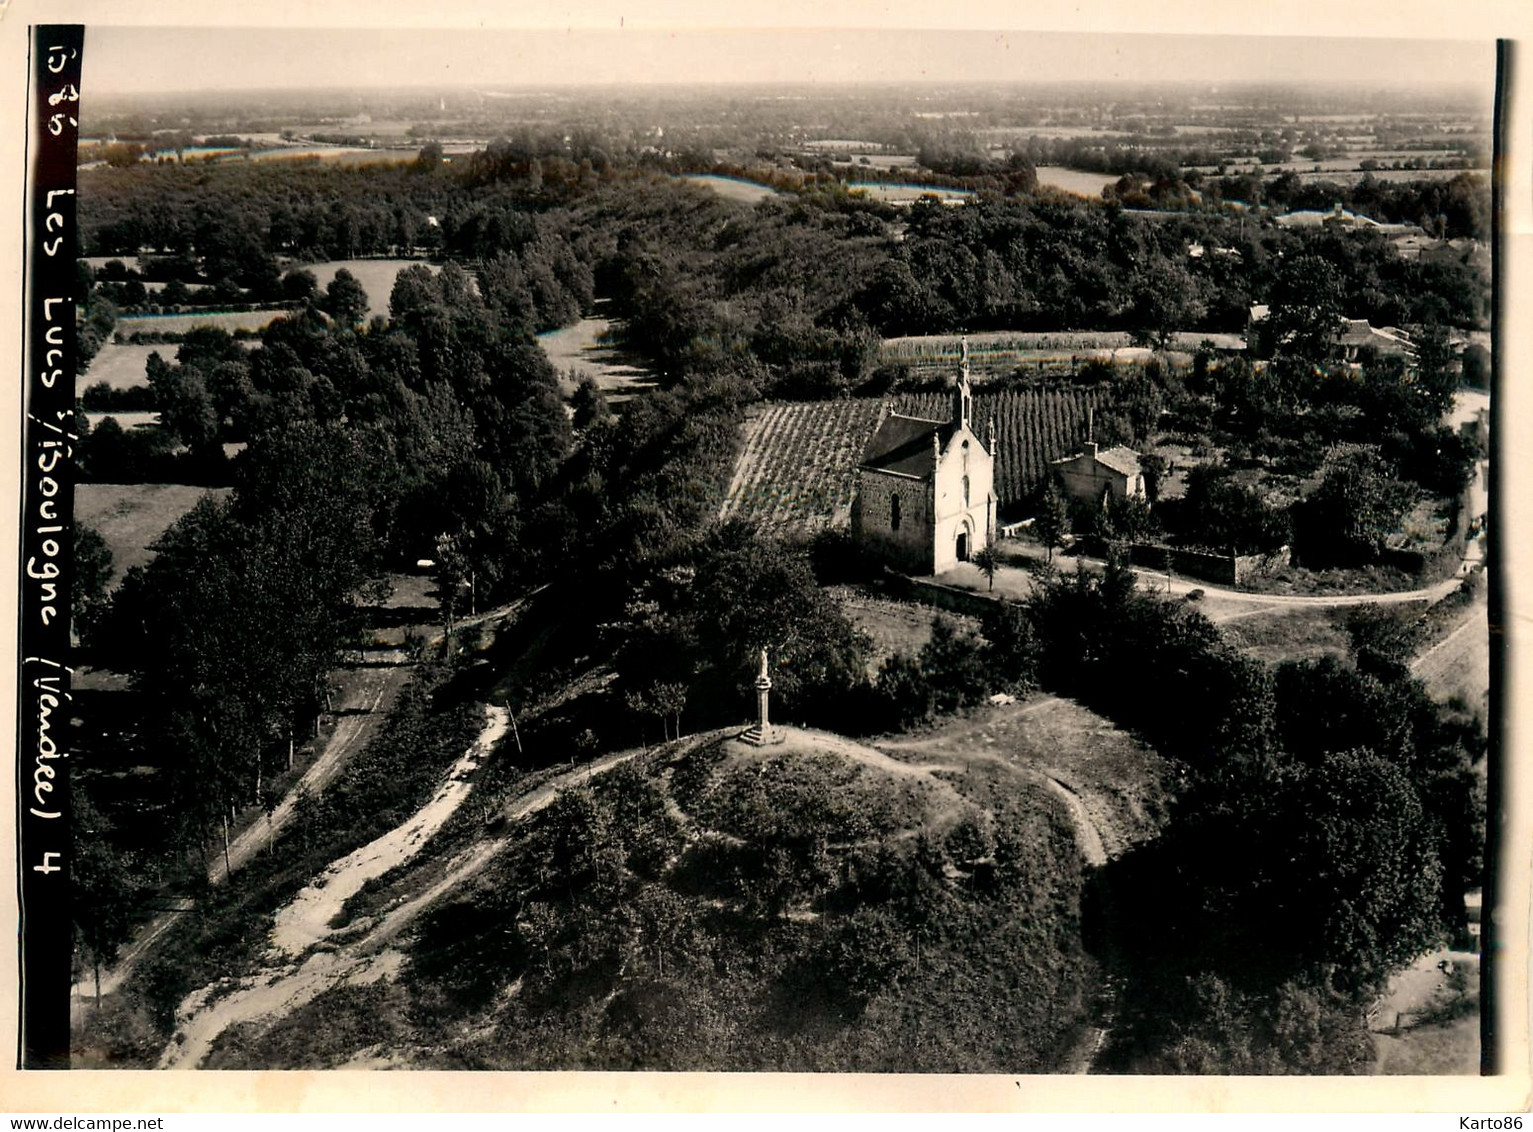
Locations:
(762, 733)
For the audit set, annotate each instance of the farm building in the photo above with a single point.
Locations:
(926, 488)
(1353, 335)
(1091, 475)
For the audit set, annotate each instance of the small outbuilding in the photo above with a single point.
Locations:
(1092, 475)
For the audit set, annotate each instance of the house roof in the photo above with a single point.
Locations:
(1314, 217)
(1124, 461)
(1359, 333)
(904, 444)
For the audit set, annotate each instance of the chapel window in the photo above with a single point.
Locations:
(894, 512)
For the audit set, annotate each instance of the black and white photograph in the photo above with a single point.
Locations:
(833, 549)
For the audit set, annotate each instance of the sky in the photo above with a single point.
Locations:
(125, 60)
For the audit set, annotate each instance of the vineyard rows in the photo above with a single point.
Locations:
(948, 347)
(798, 463)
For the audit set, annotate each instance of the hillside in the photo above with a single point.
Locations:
(797, 466)
(815, 905)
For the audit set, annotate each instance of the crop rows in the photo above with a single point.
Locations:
(1032, 427)
(798, 462)
(947, 347)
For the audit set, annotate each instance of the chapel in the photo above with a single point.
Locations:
(926, 489)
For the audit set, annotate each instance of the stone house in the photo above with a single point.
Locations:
(1092, 475)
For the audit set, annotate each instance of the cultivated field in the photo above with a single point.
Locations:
(1003, 350)
(181, 323)
(132, 516)
(747, 192)
(798, 462)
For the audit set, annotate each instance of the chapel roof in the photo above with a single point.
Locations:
(904, 444)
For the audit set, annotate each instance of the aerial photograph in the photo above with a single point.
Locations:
(830, 551)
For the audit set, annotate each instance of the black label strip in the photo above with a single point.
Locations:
(47, 495)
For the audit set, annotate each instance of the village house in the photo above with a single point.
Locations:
(926, 489)
(1092, 475)
(1353, 337)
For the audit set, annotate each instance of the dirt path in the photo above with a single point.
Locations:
(285, 986)
(305, 921)
(1087, 835)
(209, 1011)
(1015, 583)
(365, 702)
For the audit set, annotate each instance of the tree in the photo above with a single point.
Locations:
(1357, 506)
(1052, 521)
(429, 159)
(92, 571)
(589, 403)
(988, 559)
(345, 300)
(1306, 310)
(1436, 379)
(299, 285)
(1165, 300)
(103, 886)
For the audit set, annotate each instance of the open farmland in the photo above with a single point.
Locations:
(132, 516)
(1075, 181)
(798, 462)
(1004, 350)
(731, 188)
(229, 321)
(122, 366)
(376, 276)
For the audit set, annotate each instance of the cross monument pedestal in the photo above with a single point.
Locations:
(762, 733)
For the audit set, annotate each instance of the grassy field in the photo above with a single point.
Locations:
(130, 517)
(181, 323)
(121, 366)
(127, 418)
(1074, 181)
(747, 192)
(1123, 787)
(582, 349)
(893, 626)
(893, 192)
(376, 276)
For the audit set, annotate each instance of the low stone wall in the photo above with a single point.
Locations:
(949, 598)
(1221, 569)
